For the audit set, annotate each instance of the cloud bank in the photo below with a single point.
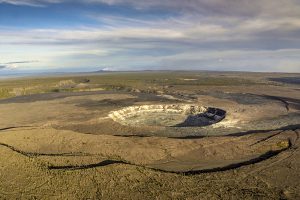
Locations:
(195, 34)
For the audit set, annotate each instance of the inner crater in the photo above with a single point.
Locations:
(178, 115)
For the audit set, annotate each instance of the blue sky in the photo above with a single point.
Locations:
(87, 35)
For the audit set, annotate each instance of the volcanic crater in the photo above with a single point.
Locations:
(171, 115)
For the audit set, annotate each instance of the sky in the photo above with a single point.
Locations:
(89, 35)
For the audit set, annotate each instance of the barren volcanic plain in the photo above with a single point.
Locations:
(151, 135)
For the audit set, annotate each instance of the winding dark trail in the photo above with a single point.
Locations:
(15, 127)
(107, 162)
(34, 154)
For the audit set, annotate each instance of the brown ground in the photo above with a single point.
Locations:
(64, 146)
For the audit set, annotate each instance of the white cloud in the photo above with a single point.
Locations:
(30, 2)
(208, 7)
(258, 35)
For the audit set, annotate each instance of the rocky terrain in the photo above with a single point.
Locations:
(179, 141)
